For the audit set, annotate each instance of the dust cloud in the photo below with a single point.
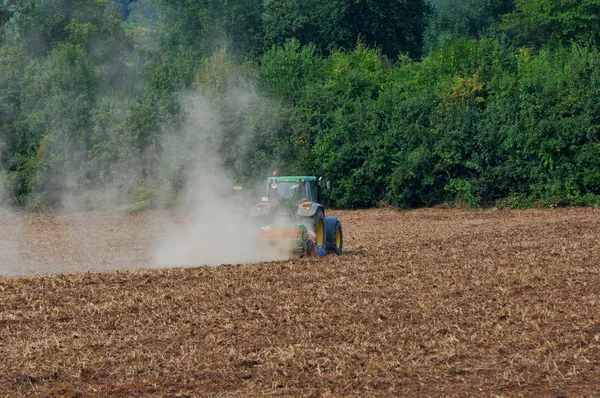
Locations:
(217, 228)
(209, 225)
(10, 230)
(200, 222)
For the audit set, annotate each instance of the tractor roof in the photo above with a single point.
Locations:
(292, 178)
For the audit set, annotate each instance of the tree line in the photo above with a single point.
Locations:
(406, 103)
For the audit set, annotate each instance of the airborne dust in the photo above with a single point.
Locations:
(10, 258)
(209, 225)
(217, 229)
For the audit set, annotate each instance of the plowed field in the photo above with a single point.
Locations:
(423, 303)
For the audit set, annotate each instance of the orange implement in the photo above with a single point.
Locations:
(292, 233)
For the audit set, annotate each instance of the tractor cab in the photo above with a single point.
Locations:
(298, 190)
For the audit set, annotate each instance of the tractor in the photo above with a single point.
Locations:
(292, 213)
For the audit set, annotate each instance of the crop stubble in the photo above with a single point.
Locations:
(428, 302)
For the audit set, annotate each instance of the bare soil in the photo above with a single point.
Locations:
(434, 302)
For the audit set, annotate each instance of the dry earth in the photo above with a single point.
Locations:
(423, 303)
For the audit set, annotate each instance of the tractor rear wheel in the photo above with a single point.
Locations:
(319, 228)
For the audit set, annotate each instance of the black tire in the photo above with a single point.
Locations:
(335, 235)
(338, 240)
(319, 228)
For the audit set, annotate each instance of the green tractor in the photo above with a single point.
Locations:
(292, 212)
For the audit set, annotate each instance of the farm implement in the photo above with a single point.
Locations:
(291, 217)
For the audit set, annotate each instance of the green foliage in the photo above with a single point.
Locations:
(113, 110)
(58, 88)
(394, 26)
(10, 12)
(143, 14)
(204, 26)
(473, 124)
(555, 23)
(464, 19)
(250, 134)
(288, 69)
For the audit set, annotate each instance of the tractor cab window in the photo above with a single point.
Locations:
(301, 193)
(314, 192)
(281, 192)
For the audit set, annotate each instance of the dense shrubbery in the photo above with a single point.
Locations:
(472, 122)
(89, 103)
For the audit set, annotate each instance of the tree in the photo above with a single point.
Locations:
(394, 26)
(10, 10)
(539, 22)
(463, 19)
(207, 25)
